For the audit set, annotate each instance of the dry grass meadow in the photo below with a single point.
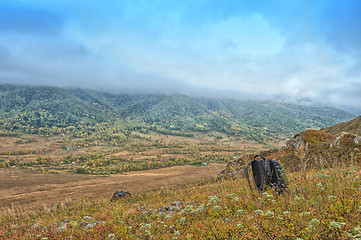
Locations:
(38, 186)
(28, 190)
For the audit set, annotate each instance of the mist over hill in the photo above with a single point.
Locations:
(27, 109)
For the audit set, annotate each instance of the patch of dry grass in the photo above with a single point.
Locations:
(326, 204)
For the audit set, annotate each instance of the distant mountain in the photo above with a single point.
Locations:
(28, 109)
(353, 126)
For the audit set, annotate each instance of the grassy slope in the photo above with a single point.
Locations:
(322, 204)
(352, 126)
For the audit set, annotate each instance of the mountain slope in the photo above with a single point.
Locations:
(311, 149)
(327, 147)
(27, 109)
(353, 126)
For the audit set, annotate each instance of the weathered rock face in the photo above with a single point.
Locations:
(296, 142)
(357, 139)
(309, 138)
(336, 143)
(347, 140)
(234, 169)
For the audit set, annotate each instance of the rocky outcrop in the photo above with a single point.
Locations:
(357, 139)
(336, 143)
(296, 142)
(346, 139)
(234, 169)
(308, 149)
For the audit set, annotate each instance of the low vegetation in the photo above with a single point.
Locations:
(322, 204)
(111, 153)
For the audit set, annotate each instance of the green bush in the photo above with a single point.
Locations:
(81, 170)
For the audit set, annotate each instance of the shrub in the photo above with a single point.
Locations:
(81, 170)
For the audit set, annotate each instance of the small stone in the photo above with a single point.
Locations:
(93, 224)
(87, 218)
(90, 226)
(177, 203)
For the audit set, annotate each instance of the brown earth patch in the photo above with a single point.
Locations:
(25, 189)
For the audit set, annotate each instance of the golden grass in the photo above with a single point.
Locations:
(326, 205)
(29, 190)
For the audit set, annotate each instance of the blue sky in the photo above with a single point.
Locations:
(296, 50)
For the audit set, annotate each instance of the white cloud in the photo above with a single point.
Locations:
(163, 46)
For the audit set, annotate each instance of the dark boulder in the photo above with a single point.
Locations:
(120, 194)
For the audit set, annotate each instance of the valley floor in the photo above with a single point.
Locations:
(25, 189)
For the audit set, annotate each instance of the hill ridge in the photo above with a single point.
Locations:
(24, 107)
(353, 126)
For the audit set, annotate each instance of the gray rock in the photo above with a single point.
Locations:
(336, 143)
(87, 218)
(357, 139)
(177, 203)
(296, 142)
(93, 224)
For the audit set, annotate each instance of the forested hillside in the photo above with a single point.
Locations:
(51, 111)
